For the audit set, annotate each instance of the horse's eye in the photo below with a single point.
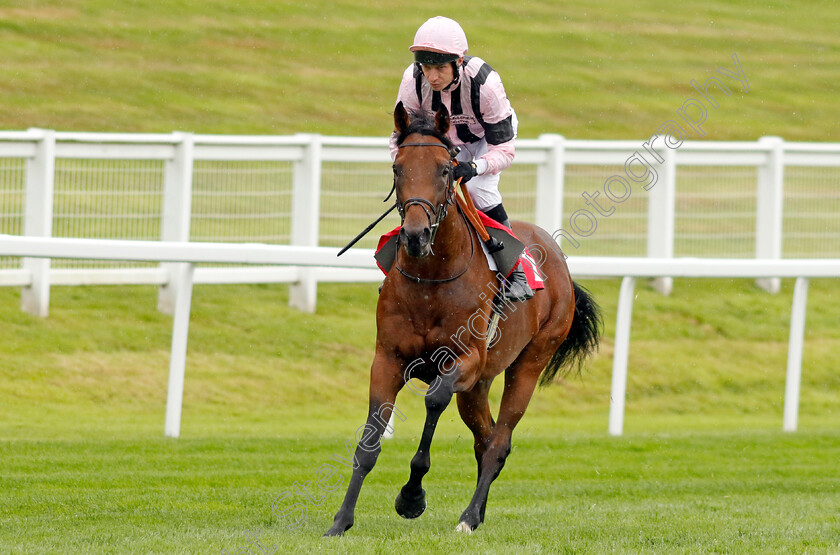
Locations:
(445, 172)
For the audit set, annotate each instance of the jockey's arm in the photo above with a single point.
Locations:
(497, 158)
(499, 122)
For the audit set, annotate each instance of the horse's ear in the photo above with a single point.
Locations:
(400, 118)
(442, 120)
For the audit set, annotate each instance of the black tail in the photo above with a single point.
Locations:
(582, 340)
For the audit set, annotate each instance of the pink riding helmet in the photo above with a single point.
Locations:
(439, 40)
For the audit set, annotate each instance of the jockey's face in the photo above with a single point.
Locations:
(439, 75)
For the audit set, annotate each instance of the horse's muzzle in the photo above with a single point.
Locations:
(417, 240)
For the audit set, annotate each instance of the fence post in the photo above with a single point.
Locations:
(661, 214)
(183, 274)
(38, 217)
(550, 183)
(621, 351)
(796, 339)
(177, 211)
(306, 211)
(769, 202)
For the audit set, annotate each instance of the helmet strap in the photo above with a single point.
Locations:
(456, 77)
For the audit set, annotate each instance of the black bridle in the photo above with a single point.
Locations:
(435, 214)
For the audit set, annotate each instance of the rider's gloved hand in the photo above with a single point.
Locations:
(465, 171)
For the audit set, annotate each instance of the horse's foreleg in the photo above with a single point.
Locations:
(383, 392)
(411, 501)
(518, 390)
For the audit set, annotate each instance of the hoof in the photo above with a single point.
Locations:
(337, 530)
(464, 528)
(410, 506)
(469, 522)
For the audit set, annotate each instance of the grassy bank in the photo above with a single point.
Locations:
(98, 365)
(582, 69)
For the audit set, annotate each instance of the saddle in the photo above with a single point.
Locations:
(503, 260)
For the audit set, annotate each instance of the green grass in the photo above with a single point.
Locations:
(561, 492)
(583, 69)
(272, 394)
(714, 348)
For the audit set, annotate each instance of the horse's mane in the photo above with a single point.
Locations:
(424, 124)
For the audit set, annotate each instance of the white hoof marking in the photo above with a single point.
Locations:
(463, 527)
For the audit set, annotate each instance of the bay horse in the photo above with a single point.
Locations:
(439, 286)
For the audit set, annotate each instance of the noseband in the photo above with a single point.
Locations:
(434, 214)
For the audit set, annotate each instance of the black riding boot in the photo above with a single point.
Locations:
(515, 286)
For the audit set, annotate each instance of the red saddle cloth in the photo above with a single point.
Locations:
(386, 251)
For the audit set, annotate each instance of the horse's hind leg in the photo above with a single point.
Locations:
(519, 386)
(474, 408)
(411, 501)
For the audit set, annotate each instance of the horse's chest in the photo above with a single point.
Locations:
(429, 334)
(435, 337)
(420, 336)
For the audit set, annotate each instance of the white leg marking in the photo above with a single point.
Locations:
(389, 429)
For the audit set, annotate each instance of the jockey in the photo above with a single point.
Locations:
(483, 121)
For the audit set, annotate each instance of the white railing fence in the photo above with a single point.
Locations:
(766, 199)
(184, 257)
